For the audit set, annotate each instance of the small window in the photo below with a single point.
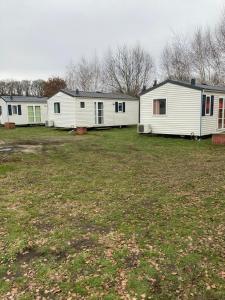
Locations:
(82, 104)
(57, 108)
(0, 110)
(159, 107)
(207, 105)
(14, 109)
(120, 106)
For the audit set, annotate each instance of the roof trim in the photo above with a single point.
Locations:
(187, 85)
(126, 97)
(23, 99)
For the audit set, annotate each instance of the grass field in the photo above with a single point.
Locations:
(111, 215)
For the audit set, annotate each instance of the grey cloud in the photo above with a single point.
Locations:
(39, 37)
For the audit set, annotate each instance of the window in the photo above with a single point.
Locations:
(207, 105)
(0, 110)
(120, 107)
(99, 113)
(221, 114)
(159, 107)
(82, 104)
(57, 108)
(34, 114)
(38, 114)
(14, 109)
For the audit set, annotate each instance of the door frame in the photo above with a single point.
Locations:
(223, 114)
(96, 112)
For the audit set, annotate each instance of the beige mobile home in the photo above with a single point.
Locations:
(182, 108)
(23, 110)
(71, 109)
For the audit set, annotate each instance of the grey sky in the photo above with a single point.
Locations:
(40, 37)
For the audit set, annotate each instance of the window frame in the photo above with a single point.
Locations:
(120, 105)
(59, 108)
(206, 100)
(222, 118)
(159, 115)
(82, 104)
(14, 109)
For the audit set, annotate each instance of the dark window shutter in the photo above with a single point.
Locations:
(212, 105)
(19, 110)
(116, 107)
(203, 104)
(124, 108)
(9, 110)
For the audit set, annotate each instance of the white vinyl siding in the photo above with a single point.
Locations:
(66, 118)
(183, 109)
(86, 117)
(4, 115)
(23, 118)
(210, 123)
(73, 115)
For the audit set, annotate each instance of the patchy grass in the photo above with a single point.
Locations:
(111, 215)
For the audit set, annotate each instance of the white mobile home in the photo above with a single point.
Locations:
(23, 110)
(71, 109)
(182, 108)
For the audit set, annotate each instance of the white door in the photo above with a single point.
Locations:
(221, 114)
(99, 113)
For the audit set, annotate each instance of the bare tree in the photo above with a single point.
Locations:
(200, 56)
(26, 87)
(71, 76)
(37, 87)
(175, 59)
(214, 58)
(3, 89)
(127, 70)
(85, 75)
(220, 42)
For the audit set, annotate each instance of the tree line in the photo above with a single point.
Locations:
(128, 70)
(38, 88)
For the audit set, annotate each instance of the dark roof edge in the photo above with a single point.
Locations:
(46, 98)
(132, 98)
(187, 85)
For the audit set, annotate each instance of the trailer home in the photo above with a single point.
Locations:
(182, 108)
(72, 109)
(23, 110)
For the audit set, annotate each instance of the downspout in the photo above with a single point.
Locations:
(202, 92)
(139, 110)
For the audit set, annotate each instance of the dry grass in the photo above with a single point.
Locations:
(111, 215)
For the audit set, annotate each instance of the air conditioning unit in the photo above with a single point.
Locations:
(49, 123)
(144, 128)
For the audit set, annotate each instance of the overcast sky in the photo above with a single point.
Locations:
(40, 37)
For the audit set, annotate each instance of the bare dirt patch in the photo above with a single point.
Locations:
(27, 255)
(83, 244)
(34, 146)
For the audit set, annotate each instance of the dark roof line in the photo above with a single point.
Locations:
(197, 86)
(82, 94)
(24, 99)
